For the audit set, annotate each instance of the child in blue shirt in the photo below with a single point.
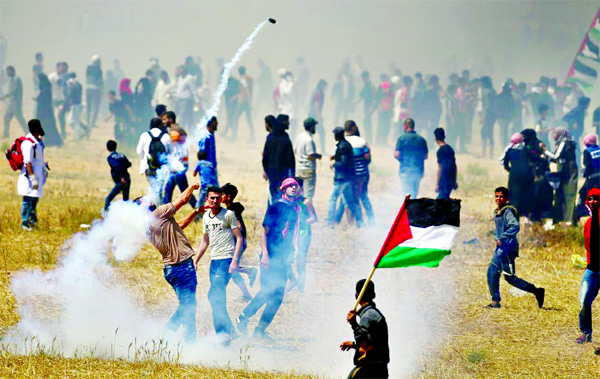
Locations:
(208, 176)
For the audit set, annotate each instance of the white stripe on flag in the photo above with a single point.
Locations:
(433, 237)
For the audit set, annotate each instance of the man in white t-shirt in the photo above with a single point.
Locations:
(223, 236)
(33, 174)
(58, 81)
(306, 156)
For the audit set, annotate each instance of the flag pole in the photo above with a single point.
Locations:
(364, 288)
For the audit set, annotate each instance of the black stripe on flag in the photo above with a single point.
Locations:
(433, 212)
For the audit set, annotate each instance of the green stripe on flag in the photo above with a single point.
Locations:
(404, 256)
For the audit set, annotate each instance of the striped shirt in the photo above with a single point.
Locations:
(360, 148)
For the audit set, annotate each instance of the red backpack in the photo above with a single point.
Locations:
(14, 155)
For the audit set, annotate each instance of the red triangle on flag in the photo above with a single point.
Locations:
(399, 233)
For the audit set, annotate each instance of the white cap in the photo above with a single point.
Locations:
(281, 72)
(95, 58)
(395, 79)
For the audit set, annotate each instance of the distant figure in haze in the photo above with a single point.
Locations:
(14, 101)
(516, 160)
(411, 151)
(231, 98)
(207, 142)
(153, 148)
(542, 127)
(384, 98)
(38, 68)
(367, 96)
(575, 120)
(45, 113)
(118, 171)
(278, 159)
(193, 68)
(178, 174)
(447, 171)
(33, 174)
(142, 99)
(124, 119)
(590, 283)
(371, 337)
(185, 95)
(58, 80)
(302, 81)
(288, 99)
(432, 105)
(315, 109)
(164, 91)
(74, 107)
(306, 156)
(264, 84)
(114, 76)
(488, 116)
(222, 234)
(166, 234)
(93, 92)
(505, 105)
(278, 241)
(507, 250)
(245, 99)
(343, 179)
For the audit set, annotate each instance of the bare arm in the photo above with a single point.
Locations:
(311, 210)
(397, 155)
(184, 198)
(439, 175)
(239, 241)
(187, 220)
(201, 249)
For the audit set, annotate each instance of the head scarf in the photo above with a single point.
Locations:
(287, 183)
(562, 134)
(529, 136)
(591, 192)
(516, 138)
(124, 87)
(294, 204)
(590, 139)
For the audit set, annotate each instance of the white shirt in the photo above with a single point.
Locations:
(33, 154)
(186, 87)
(287, 98)
(304, 148)
(57, 93)
(143, 146)
(220, 235)
(163, 94)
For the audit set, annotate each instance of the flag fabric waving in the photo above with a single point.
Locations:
(584, 70)
(422, 234)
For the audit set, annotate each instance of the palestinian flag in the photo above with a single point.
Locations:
(422, 235)
(584, 70)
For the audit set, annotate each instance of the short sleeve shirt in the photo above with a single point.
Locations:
(220, 234)
(281, 219)
(447, 161)
(305, 147)
(413, 150)
(167, 236)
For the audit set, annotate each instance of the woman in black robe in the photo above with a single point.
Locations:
(45, 113)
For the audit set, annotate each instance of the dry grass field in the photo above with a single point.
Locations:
(439, 325)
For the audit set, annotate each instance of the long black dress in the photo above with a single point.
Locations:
(45, 112)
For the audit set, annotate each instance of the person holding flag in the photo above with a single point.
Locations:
(507, 250)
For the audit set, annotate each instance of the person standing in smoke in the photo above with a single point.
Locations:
(542, 190)
(33, 174)
(507, 250)
(287, 99)
(264, 84)
(315, 110)
(14, 101)
(142, 104)
(185, 95)
(278, 158)
(38, 68)
(367, 96)
(306, 154)
(343, 179)
(505, 105)
(447, 171)
(245, 99)
(73, 106)
(302, 82)
(93, 91)
(371, 345)
(164, 90)
(542, 128)
(432, 105)
(58, 79)
(45, 113)
(153, 148)
(590, 283)
(278, 242)
(385, 103)
(222, 235)
(517, 162)
(489, 115)
(411, 151)
(166, 234)
(231, 97)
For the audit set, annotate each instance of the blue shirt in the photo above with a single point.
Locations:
(413, 150)
(208, 174)
(207, 143)
(118, 166)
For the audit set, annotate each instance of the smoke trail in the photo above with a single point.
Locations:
(216, 104)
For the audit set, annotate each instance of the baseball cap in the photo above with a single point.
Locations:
(310, 121)
(338, 130)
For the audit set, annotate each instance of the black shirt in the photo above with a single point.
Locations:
(344, 162)
(281, 219)
(118, 109)
(278, 153)
(371, 336)
(447, 161)
(238, 208)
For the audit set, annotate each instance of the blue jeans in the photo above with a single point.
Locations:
(182, 277)
(361, 193)
(589, 290)
(409, 184)
(179, 179)
(156, 182)
(493, 278)
(28, 211)
(273, 281)
(444, 192)
(345, 190)
(118, 188)
(217, 294)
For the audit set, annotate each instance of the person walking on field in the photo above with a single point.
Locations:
(118, 171)
(33, 174)
(14, 101)
(167, 236)
(306, 155)
(447, 171)
(222, 234)
(372, 350)
(507, 250)
(411, 152)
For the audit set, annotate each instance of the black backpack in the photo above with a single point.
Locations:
(155, 150)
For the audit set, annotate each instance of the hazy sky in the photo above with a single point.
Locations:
(502, 38)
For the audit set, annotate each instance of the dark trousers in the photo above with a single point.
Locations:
(182, 277)
(361, 194)
(217, 295)
(14, 110)
(93, 98)
(369, 371)
(29, 211)
(345, 190)
(273, 281)
(118, 188)
(244, 108)
(444, 192)
(493, 278)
